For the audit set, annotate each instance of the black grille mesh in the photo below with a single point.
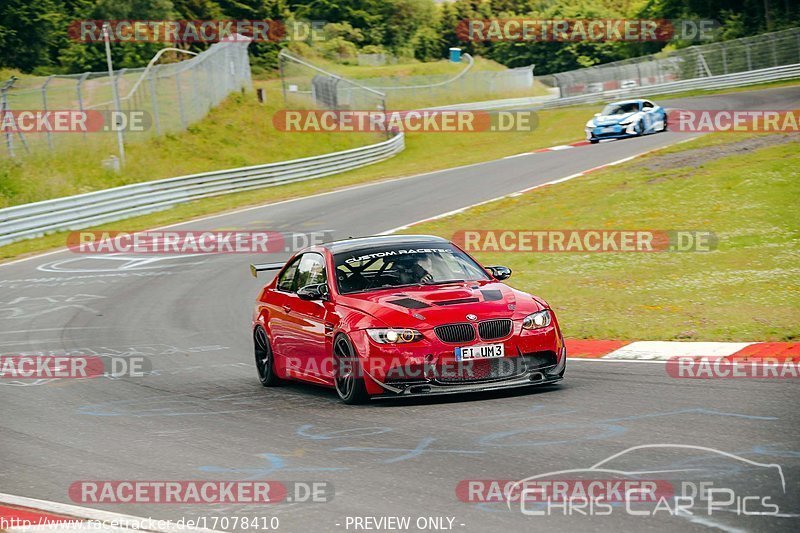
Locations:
(494, 329)
(463, 332)
(482, 370)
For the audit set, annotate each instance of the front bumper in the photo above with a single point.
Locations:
(430, 387)
(430, 367)
(610, 132)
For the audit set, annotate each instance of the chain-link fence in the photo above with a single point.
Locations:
(171, 96)
(307, 84)
(714, 59)
(468, 85)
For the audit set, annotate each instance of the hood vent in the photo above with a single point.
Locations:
(458, 301)
(491, 295)
(409, 303)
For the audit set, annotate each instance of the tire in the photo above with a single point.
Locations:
(665, 124)
(349, 385)
(594, 141)
(639, 129)
(265, 362)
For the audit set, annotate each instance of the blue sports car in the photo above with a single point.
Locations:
(628, 118)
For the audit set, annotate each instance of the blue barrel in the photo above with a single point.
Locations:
(455, 55)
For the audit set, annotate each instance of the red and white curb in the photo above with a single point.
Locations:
(662, 351)
(26, 515)
(561, 147)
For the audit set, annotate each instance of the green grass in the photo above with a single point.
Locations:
(240, 133)
(237, 133)
(407, 68)
(424, 152)
(746, 290)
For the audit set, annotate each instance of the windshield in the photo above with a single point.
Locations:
(620, 109)
(395, 266)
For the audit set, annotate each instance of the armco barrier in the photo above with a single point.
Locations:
(81, 211)
(90, 209)
(739, 79)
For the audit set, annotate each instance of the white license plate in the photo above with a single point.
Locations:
(484, 351)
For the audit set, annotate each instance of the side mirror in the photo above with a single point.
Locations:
(313, 292)
(499, 273)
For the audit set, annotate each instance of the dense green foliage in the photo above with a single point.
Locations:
(34, 34)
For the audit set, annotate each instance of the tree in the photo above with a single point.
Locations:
(29, 32)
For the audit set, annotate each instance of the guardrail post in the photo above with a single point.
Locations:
(195, 90)
(4, 107)
(749, 59)
(180, 99)
(154, 100)
(283, 79)
(78, 87)
(44, 108)
(724, 61)
(774, 52)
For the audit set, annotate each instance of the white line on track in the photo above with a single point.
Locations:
(356, 187)
(271, 204)
(517, 193)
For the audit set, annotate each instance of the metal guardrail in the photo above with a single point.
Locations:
(84, 210)
(739, 79)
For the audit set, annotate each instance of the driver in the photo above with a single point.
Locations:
(416, 268)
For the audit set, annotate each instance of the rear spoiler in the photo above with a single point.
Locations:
(255, 269)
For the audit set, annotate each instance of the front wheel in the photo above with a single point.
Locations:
(265, 360)
(594, 141)
(349, 384)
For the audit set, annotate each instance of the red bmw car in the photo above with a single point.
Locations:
(403, 315)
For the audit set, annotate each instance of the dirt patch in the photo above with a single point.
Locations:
(696, 157)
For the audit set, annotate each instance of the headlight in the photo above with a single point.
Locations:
(538, 320)
(394, 336)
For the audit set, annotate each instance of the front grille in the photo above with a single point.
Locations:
(490, 330)
(482, 370)
(455, 333)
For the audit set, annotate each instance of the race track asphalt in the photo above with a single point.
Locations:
(203, 414)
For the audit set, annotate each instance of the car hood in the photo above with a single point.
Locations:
(610, 120)
(423, 307)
